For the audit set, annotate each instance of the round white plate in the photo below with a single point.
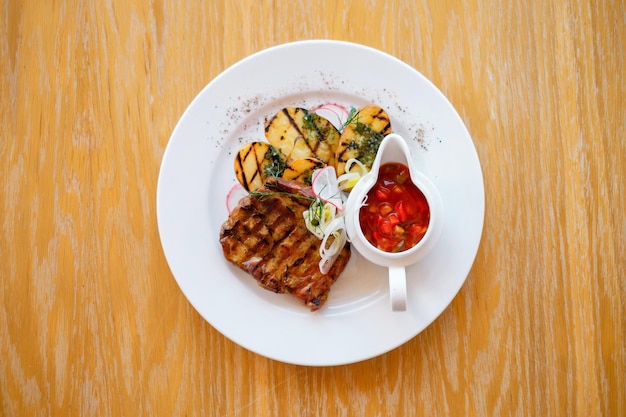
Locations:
(197, 174)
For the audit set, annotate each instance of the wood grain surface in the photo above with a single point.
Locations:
(92, 322)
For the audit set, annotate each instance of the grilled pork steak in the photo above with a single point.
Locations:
(265, 235)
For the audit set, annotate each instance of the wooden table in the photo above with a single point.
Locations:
(92, 322)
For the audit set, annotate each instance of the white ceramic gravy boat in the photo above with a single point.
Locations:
(393, 148)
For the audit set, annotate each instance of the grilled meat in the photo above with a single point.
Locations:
(265, 235)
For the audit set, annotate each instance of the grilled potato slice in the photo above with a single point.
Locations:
(302, 169)
(361, 137)
(254, 162)
(298, 133)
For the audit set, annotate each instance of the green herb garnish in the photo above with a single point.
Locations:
(262, 194)
(276, 166)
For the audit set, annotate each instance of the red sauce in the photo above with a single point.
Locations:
(396, 215)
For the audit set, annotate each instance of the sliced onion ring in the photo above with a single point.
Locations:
(348, 180)
(329, 254)
(361, 168)
(354, 170)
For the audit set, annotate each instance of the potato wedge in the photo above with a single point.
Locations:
(298, 133)
(302, 169)
(361, 137)
(322, 136)
(254, 162)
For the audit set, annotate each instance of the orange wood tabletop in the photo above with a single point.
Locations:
(92, 321)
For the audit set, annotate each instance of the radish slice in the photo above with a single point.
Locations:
(337, 110)
(234, 195)
(326, 188)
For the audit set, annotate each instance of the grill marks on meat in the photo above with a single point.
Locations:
(265, 235)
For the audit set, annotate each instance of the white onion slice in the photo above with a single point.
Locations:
(360, 167)
(318, 217)
(329, 254)
(348, 180)
(355, 169)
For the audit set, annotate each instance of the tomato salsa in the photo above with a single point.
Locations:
(395, 216)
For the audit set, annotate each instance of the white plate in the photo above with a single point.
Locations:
(197, 174)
